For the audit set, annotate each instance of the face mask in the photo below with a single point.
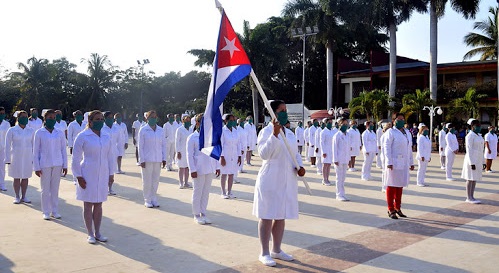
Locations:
(426, 132)
(250, 121)
(34, 115)
(300, 125)
(446, 130)
(399, 124)
(49, 123)
(282, 117)
(354, 126)
(97, 125)
(187, 124)
(58, 117)
(140, 119)
(477, 129)
(22, 120)
(241, 124)
(323, 125)
(492, 132)
(337, 126)
(79, 118)
(316, 123)
(109, 122)
(371, 127)
(152, 121)
(344, 128)
(452, 131)
(2, 116)
(329, 126)
(171, 120)
(178, 119)
(118, 120)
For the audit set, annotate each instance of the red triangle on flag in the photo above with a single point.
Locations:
(230, 50)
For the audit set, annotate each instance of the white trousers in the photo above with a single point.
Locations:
(2, 168)
(201, 193)
(49, 182)
(318, 163)
(306, 154)
(341, 172)
(243, 156)
(378, 160)
(366, 166)
(449, 162)
(170, 152)
(150, 181)
(422, 165)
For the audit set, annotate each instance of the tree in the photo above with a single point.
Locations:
(380, 103)
(100, 79)
(413, 103)
(363, 104)
(33, 78)
(205, 57)
(468, 8)
(468, 104)
(484, 44)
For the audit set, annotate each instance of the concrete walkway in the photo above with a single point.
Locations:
(442, 233)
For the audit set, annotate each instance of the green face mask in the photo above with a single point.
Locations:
(426, 132)
(97, 125)
(399, 124)
(140, 118)
(241, 124)
(316, 123)
(79, 118)
(22, 120)
(446, 130)
(171, 120)
(344, 128)
(58, 117)
(282, 117)
(178, 119)
(452, 131)
(323, 125)
(250, 121)
(477, 129)
(34, 115)
(109, 122)
(187, 125)
(492, 132)
(49, 123)
(354, 126)
(371, 127)
(119, 120)
(329, 126)
(152, 121)
(299, 124)
(2, 117)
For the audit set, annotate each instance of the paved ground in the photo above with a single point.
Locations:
(442, 233)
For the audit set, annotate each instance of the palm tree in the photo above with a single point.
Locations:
(469, 103)
(34, 76)
(413, 103)
(380, 103)
(484, 44)
(205, 57)
(363, 104)
(100, 79)
(468, 8)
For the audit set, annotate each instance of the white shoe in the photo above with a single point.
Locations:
(443, 168)
(91, 240)
(111, 192)
(469, 201)
(155, 204)
(365, 179)
(267, 260)
(224, 196)
(206, 220)
(3, 189)
(120, 172)
(26, 200)
(230, 195)
(148, 205)
(474, 201)
(342, 198)
(326, 183)
(450, 179)
(187, 186)
(16, 201)
(237, 182)
(138, 164)
(199, 220)
(490, 171)
(101, 238)
(56, 215)
(46, 216)
(421, 185)
(281, 256)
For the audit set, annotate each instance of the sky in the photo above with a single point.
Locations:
(164, 30)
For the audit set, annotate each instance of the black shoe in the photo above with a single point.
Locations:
(399, 212)
(392, 214)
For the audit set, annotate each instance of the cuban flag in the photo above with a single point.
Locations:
(231, 65)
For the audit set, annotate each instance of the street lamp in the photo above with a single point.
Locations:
(336, 111)
(141, 64)
(298, 33)
(432, 109)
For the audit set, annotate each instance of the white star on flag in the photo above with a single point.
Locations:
(230, 46)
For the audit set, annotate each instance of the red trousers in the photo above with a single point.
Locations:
(393, 197)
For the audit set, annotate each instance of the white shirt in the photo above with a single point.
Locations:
(441, 142)
(152, 144)
(398, 153)
(369, 142)
(243, 138)
(49, 149)
(311, 136)
(252, 137)
(492, 140)
(299, 136)
(355, 141)
(169, 131)
(198, 161)
(115, 134)
(61, 125)
(123, 138)
(136, 126)
(341, 148)
(424, 148)
(326, 142)
(379, 133)
(74, 129)
(4, 127)
(35, 123)
(451, 143)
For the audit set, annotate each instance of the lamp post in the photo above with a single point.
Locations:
(298, 33)
(335, 111)
(141, 64)
(432, 110)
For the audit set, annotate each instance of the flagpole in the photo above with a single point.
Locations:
(281, 133)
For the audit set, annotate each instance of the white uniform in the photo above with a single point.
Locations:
(441, 147)
(369, 146)
(35, 123)
(276, 188)
(136, 125)
(152, 152)
(326, 146)
(299, 136)
(180, 145)
(74, 129)
(169, 130)
(243, 138)
(19, 151)
(205, 167)
(474, 156)
(94, 160)
(451, 146)
(252, 137)
(311, 141)
(355, 143)
(49, 157)
(122, 139)
(383, 163)
(398, 153)
(4, 127)
(306, 140)
(231, 150)
(115, 134)
(379, 133)
(492, 140)
(317, 151)
(424, 151)
(62, 126)
(341, 155)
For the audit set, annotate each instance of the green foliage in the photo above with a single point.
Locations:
(413, 103)
(467, 106)
(484, 44)
(373, 104)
